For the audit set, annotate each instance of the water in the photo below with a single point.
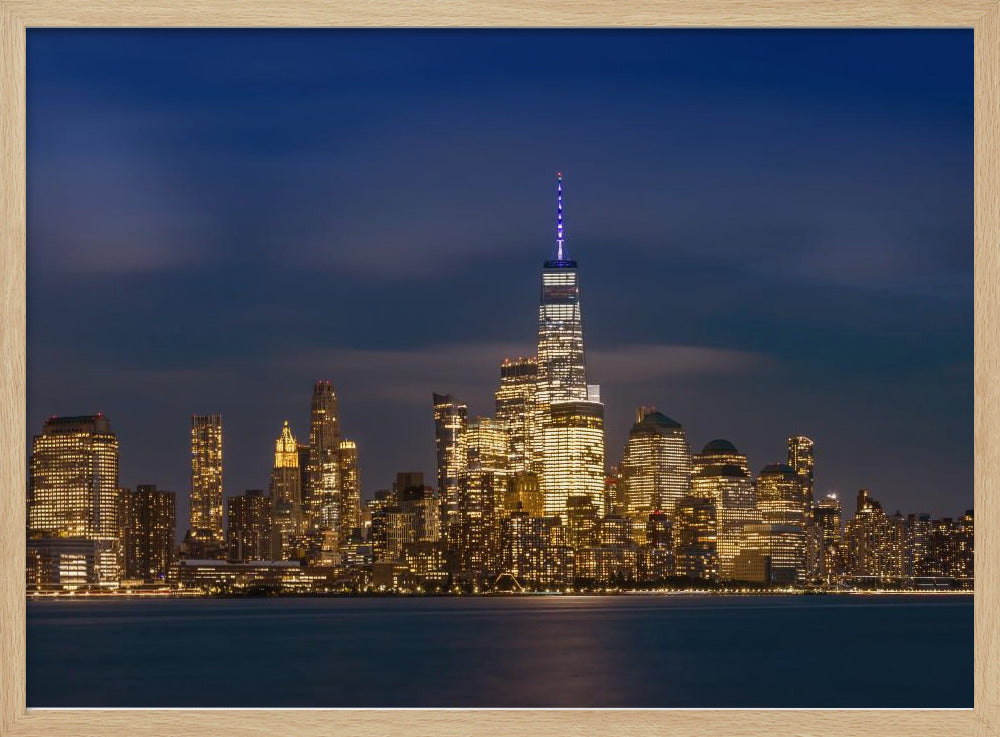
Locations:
(623, 651)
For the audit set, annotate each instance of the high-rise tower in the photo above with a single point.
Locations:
(286, 491)
(569, 428)
(73, 503)
(450, 417)
(206, 479)
(561, 367)
(324, 461)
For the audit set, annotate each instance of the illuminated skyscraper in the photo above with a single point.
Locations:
(562, 375)
(286, 493)
(828, 517)
(350, 489)
(655, 468)
(873, 544)
(250, 529)
(74, 503)
(779, 496)
(695, 538)
(573, 455)
(800, 458)
(150, 527)
(483, 488)
(728, 484)
(515, 411)
(206, 479)
(324, 462)
(449, 430)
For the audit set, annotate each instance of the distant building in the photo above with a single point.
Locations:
(828, 519)
(695, 538)
(573, 455)
(728, 485)
(286, 494)
(656, 466)
(350, 489)
(771, 554)
(873, 545)
(482, 492)
(150, 529)
(206, 480)
(516, 412)
(74, 503)
(450, 416)
(535, 554)
(251, 533)
(324, 466)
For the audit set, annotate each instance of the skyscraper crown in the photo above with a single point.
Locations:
(560, 256)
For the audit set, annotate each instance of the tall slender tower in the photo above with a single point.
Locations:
(350, 489)
(569, 429)
(206, 479)
(561, 368)
(324, 460)
(286, 491)
(449, 433)
(515, 410)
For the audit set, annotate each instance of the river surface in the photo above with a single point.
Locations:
(535, 651)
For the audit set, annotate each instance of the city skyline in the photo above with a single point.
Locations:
(898, 386)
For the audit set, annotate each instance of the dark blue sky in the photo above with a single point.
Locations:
(774, 231)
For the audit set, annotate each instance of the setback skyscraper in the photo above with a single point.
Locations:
(286, 493)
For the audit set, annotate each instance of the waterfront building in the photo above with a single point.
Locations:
(695, 538)
(286, 494)
(150, 526)
(324, 462)
(250, 527)
(74, 504)
(771, 554)
(535, 553)
(516, 413)
(349, 472)
(729, 486)
(573, 455)
(483, 487)
(827, 515)
(951, 549)
(206, 526)
(656, 466)
(450, 417)
(873, 545)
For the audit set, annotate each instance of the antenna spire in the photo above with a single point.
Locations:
(559, 218)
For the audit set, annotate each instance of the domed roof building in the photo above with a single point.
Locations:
(655, 468)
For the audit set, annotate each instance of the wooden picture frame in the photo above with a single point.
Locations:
(18, 15)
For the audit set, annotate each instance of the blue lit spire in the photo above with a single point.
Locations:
(559, 221)
(560, 259)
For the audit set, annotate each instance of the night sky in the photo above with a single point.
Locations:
(774, 232)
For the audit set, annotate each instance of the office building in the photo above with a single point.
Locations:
(516, 412)
(656, 466)
(150, 526)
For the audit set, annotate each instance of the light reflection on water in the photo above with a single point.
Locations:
(609, 651)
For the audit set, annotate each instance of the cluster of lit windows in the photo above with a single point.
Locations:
(573, 456)
(324, 502)
(206, 477)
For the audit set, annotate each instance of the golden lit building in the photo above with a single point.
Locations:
(801, 460)
(527, 492)
(150, 528)
(350, 489)
(286, 493)
(450, 416)
(515, 411)
(779, 496)
(695, 538)
(655, 468)
(74, 503)
(729, 486)
(573, 456)
(771, 554)
(483, 489)
(206, 479)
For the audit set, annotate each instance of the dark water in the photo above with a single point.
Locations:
(625, 651)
